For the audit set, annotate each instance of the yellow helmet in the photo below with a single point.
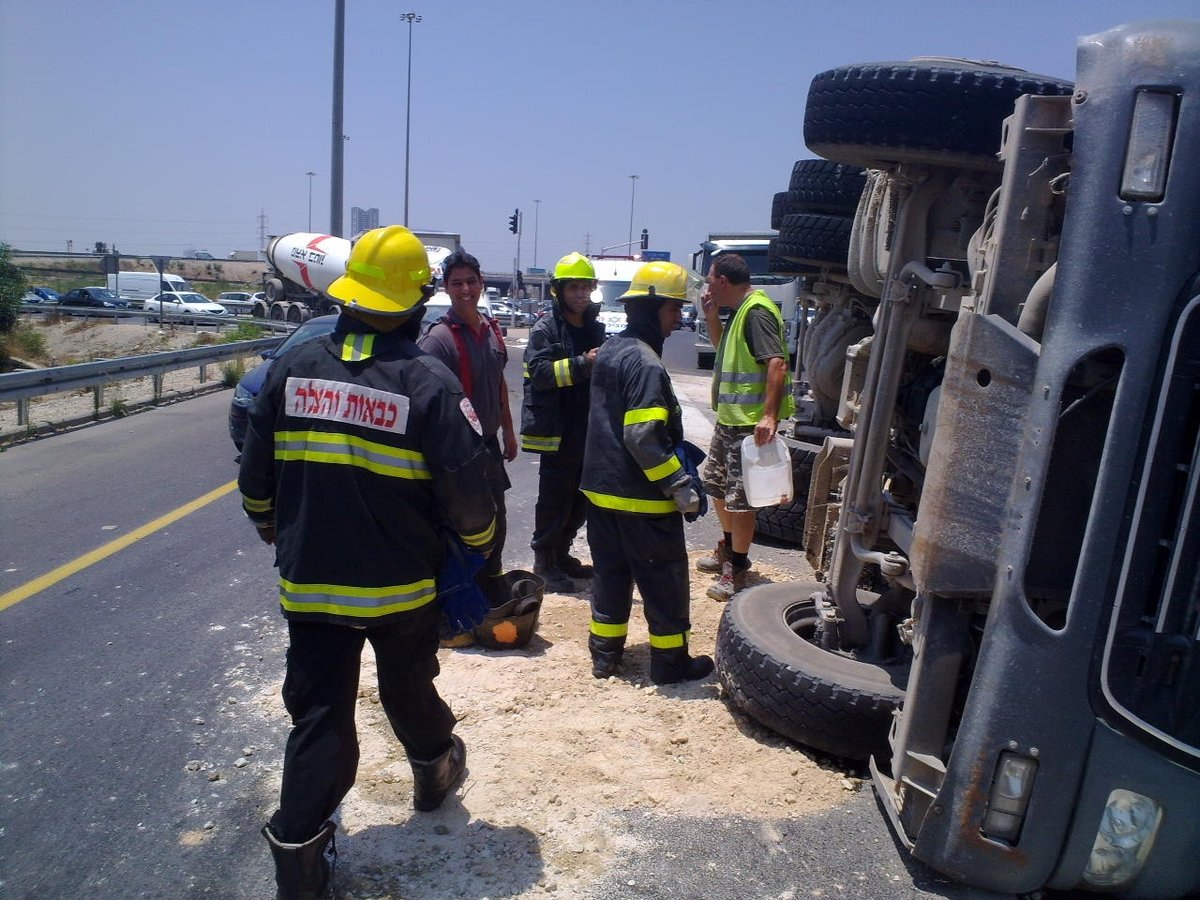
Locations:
(386, 274)
(574, 265)
(665, 280)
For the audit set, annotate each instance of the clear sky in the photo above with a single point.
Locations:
(161, 127)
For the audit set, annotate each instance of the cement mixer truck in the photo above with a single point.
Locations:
(304, 264)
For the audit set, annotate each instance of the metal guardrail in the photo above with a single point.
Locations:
(20, 386)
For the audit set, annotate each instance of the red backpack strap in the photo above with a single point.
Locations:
(464, 358)
(498, 333)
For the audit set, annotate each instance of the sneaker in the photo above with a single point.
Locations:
(714, 561)
(732, 580)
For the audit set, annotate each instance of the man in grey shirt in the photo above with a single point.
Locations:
(469, 342)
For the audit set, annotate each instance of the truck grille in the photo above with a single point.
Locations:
(1152, 659)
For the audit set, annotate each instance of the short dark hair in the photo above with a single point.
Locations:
(733, 267)
(460, 259)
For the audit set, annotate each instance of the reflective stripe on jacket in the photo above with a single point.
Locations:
(739, 380)
(634, 425)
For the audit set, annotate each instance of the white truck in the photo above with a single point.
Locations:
(138, 287)
(753, 247)
(613, 274)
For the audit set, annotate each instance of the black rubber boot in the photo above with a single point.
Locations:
(606, 654)
(675, 665)
(545, 564)
(301, 870)
(572, 567)
(434, 778)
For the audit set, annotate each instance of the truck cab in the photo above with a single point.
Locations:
(613, 274)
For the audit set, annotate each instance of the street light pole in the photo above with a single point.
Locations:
(408, 17)
(632, 191)
(339, 138)
(537, 204)
(310, 178)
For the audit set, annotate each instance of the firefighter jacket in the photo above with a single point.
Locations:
(635, 423)
(739, 380)
(557, 375)
(358, 447)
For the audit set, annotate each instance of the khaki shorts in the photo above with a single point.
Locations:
(722, 475)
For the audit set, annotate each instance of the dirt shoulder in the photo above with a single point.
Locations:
(72, 340)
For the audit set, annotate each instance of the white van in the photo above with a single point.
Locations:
(137, 287)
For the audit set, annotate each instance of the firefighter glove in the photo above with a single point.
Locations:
(463, 602)
(686, 499)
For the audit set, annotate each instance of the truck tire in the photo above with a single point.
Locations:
(706, 359)
(832, 332)
(786, 523)
(274, 290)
(774, 673)
(933, 110)
(819, 186)
(260, 310)
(815, 239)
(778, 264)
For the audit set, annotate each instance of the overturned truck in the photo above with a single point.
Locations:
(1004, 508)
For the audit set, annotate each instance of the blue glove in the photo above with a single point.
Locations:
(690, 457)
(462, 600)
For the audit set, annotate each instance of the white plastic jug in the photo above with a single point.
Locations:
(766, 472)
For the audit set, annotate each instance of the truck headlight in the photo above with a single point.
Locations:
(1009, 798)
(1128, 826)
(1151, 135)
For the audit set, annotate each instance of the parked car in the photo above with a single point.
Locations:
(29, 298)
(251, 383)
(100, 297)
(237, 301)
(47, 295)
(507, 314)
(185, 306)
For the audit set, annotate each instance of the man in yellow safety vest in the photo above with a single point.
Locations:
(751, 391)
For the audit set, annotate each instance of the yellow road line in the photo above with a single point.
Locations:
(29, 588)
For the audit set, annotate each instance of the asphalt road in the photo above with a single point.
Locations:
(126, 713)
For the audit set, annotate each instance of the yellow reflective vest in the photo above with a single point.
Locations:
(739, 380)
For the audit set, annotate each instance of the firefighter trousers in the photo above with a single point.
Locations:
(320, 691)
(648, 551)
(561, 506)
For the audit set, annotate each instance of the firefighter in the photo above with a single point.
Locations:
(357, 448)
(637, 486)
(554, 413)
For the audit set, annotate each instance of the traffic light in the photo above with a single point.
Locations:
(645, 239)
(514, 221)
